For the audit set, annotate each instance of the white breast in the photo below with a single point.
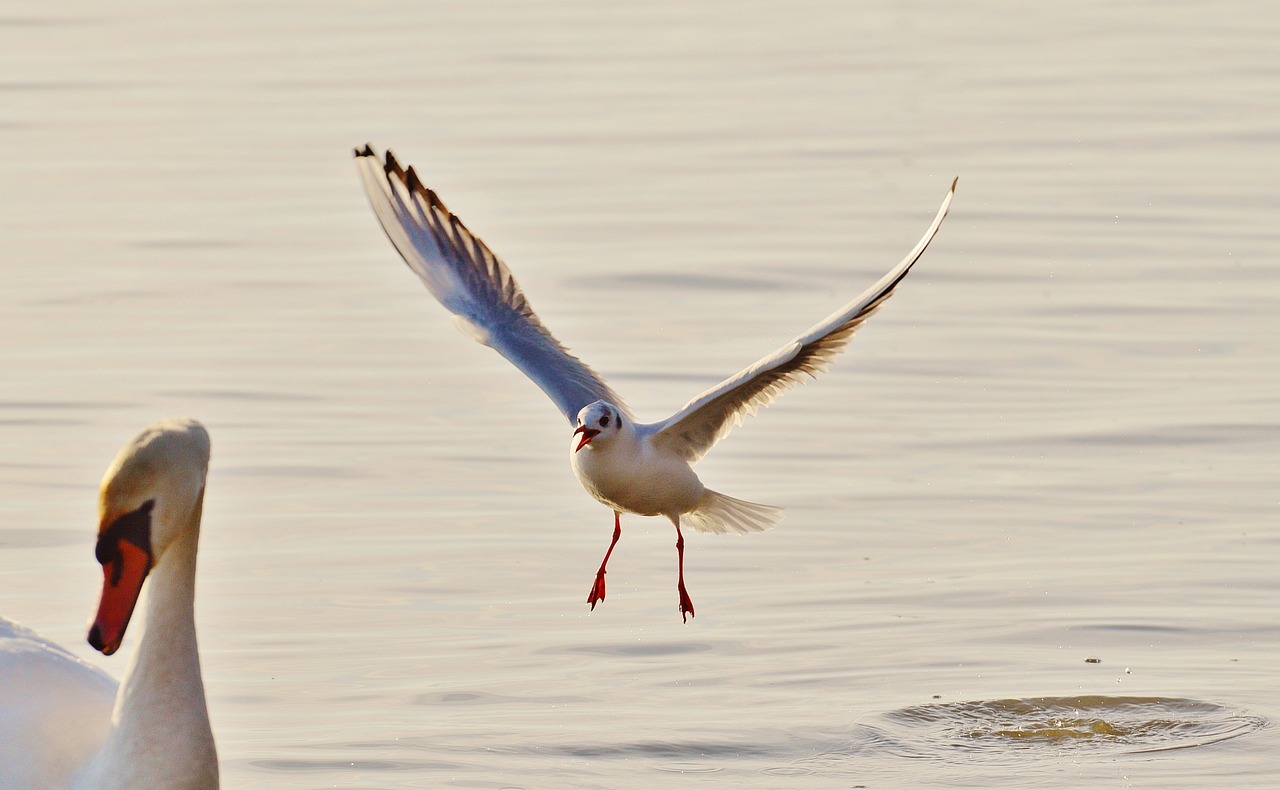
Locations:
(628, 474)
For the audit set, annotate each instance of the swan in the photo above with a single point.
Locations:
(63, 722)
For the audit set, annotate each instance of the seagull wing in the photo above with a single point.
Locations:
(708, 418)
(474, 284)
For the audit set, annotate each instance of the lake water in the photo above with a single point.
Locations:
(1032, 534)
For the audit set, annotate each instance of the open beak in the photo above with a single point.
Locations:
(587, 435)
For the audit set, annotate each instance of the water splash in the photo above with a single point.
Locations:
(1079, 724)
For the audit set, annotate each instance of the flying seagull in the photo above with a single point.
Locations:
(630, 467)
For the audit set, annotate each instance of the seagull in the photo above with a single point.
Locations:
(628, 466)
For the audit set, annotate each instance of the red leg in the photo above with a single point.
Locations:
(597, 590)
(686, 605)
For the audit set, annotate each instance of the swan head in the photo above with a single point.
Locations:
(597, 422)
(151, 494)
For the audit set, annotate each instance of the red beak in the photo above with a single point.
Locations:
(587, 435)
(124, 550)
(122, 580)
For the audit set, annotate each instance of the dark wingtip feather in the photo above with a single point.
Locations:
(368, 151)
(435, 201)
(411, 180)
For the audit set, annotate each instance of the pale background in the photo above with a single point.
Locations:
(1058, 442)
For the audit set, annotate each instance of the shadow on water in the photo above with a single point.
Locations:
(633, 650)
(994, 729)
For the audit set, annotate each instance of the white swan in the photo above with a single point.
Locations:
(63, 723)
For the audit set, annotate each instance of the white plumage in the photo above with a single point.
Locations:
(630, 467)
(66, 724)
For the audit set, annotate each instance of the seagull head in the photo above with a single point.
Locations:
(597, 422)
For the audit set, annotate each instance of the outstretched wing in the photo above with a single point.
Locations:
(474, 284)
(706, 419)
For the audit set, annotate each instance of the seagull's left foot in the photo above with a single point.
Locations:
(686, 605)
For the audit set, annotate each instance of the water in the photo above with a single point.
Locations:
(1056, 444)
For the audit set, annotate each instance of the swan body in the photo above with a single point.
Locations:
(630, 467)
(55, 710)
(65, 723)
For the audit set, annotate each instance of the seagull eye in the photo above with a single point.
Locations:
(604, 421)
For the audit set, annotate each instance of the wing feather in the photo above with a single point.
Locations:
(474, 284)
(708, 418)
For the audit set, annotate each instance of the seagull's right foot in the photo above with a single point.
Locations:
(686, 605)
(597, 591)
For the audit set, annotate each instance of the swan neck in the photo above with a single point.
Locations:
(160, 726)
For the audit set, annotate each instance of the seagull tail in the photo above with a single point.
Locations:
(719, 513)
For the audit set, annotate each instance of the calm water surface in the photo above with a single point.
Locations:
(1032, 531)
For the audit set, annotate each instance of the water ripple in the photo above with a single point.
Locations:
(349, 766)
(1010, 727)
